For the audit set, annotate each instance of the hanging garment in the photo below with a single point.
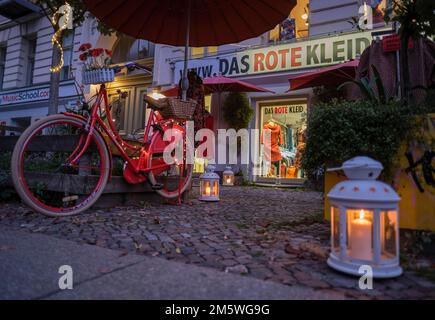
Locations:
(300, 149)
(291, 172)
(289, 138)
(271, 151)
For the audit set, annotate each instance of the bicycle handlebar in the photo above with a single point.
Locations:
(132, 66)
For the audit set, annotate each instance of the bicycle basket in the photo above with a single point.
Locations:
(98, 76)
(176, 108)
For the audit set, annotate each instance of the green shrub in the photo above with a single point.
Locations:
(341, 130)
(237, 110)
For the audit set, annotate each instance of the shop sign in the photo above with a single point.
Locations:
(282, 110)
(24, 96)
(284, 57)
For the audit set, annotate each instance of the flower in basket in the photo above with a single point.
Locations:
(94, 58)
(85, 46)
(83, 56)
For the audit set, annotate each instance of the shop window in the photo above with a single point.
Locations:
(281, 157)
(378, 8)
(295, 26)
(129, 49)
(118, 104)
(68, 49)
(207, 102)
(2, 63)
(30, 50)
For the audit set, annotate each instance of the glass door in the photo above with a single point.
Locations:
(282, 141)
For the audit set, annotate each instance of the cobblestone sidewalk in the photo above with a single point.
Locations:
(271, 234)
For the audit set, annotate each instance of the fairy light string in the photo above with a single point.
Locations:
(64, 11)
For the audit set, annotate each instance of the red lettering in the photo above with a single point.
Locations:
(258, 62)
(283, 54)
(271, 60)
(279, 110)
(295, 56)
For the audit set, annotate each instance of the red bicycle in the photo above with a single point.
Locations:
(62, 163)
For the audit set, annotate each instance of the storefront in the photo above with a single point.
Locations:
(21, 107)
(285, 111)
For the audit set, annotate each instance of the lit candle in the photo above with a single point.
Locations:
(207, 190)
(228, 180)
(361, 238)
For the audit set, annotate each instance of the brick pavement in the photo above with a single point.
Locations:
(271, 234)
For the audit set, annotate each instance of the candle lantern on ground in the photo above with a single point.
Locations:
(209, 185)
(228, 177)
(364, 221)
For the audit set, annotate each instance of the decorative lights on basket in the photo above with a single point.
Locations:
(364, 221)
(96, 64)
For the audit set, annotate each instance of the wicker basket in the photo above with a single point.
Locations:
(98, 76)
(176, 108)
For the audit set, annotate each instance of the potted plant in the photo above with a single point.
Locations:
(96, 62)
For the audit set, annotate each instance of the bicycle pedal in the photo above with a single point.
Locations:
(157, 186)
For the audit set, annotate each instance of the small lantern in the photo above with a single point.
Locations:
(364, 221)
(228, 177)
(209, 185)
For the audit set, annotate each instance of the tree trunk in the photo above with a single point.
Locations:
(404, 40)
(53, 101)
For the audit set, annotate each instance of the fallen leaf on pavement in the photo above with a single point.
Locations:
(6, 248)
(104, 270)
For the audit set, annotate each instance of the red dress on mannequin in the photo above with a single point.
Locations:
(276, 139)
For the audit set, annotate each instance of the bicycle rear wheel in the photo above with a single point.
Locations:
(174, 178)
(42, 171)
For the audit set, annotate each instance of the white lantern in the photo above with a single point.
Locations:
(364, 221)
(209, 185)
(228, 177)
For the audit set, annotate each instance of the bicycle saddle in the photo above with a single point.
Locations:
(156, 104)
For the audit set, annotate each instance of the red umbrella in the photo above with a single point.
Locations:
(224, 84)
(332, 76)
(220, 84)
(211, 22)
(195, 23)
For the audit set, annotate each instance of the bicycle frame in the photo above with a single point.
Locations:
(113, 134)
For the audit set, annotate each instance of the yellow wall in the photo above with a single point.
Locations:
(417, 209)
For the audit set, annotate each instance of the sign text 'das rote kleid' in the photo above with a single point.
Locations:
(282, 57)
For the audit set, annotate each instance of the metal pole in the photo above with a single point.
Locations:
(398, 75)
(185, 81)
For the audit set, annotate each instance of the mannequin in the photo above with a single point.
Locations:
(272, 152)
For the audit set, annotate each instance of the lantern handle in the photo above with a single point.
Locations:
(349, 167)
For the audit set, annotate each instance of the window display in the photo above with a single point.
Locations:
(281, 157)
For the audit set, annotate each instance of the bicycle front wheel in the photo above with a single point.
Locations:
(43, 174)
